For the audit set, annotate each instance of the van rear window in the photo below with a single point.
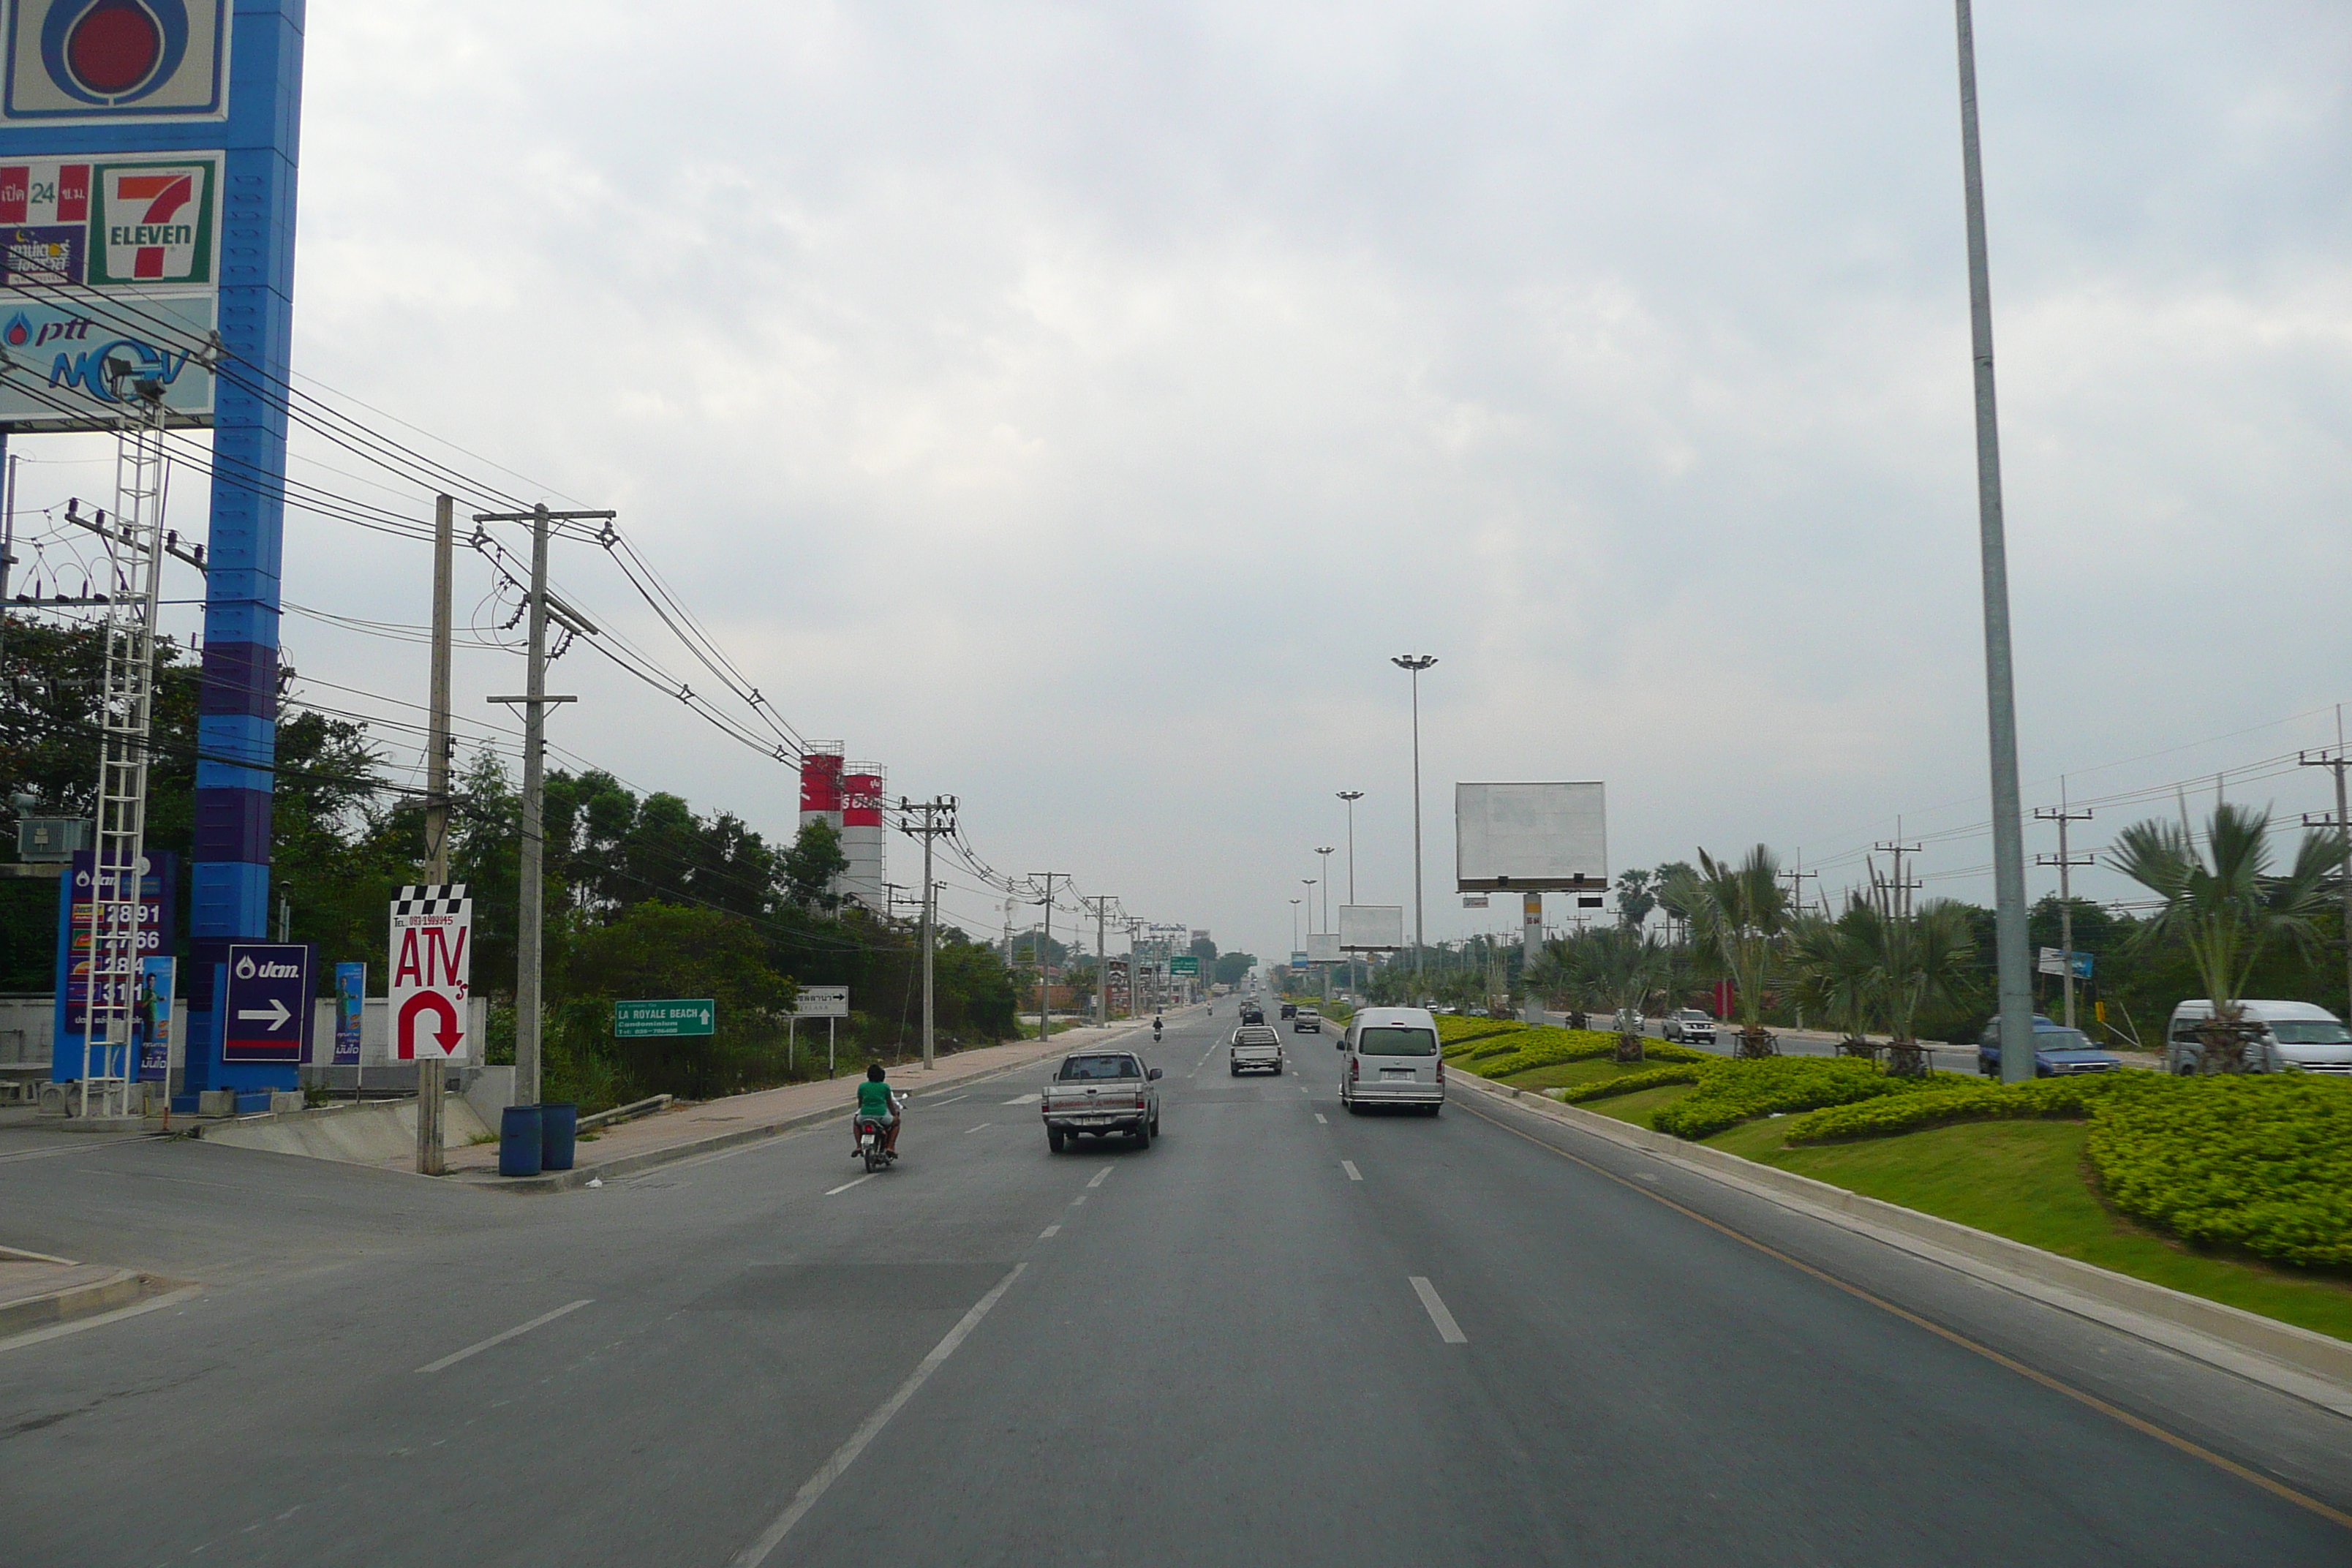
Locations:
(1392, 1041)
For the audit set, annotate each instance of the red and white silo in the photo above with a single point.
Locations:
(862, 838)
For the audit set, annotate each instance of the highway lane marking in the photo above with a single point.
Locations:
(1024, 1100)
(1076, 1201)
(1101, 1176)
(515, 1333)
(2081, 1396)
(970, 1130)
(1447, 1329)
(1049, 1230)
(835, 1191)
(1320, 1116)
(58, 1331)
(816, 1485)
(77, 1148)
(1353, 1174)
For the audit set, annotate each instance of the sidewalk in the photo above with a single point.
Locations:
(684, 1131)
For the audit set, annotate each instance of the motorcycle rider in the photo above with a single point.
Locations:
(876, 1101)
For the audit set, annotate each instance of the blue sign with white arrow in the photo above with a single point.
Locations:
(267, 1013)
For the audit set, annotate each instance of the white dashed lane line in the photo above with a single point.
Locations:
(1320, 1117)
(833, 1192)
(1447, 1329)
(1102, 1176)
(515, 1333)
(1353, 1174)
(1049, 1230)
(1022, 1100)
(970, 1130)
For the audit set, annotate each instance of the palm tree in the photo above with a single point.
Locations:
(1619, 967)
(1739, 915)
(1924, 958)
(1835, 974)
(2221, 902)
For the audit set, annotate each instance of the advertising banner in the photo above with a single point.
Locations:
(2053, 962)
(351, 1005)
(432, 970)
(1539, 836)
(1371, 928)
(157, 981)
(267, 1014)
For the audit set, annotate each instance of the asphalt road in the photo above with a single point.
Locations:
(1280, 1334)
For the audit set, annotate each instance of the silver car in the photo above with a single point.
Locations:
(1389, 1056)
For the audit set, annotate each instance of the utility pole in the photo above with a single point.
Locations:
(432, 1076)
(1045, 958)
(2000, 677)
(531, 912)
(2065, 864)
(2341, 822)
(933, 810)
(1416, 663)
(1101, 902)
(8, 559)
(1899, 906)
(1796, 876)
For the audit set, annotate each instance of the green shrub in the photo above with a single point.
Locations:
(1889, 1114)
(1731, 1092)
(1547, 1047)
(2262, 1163)
(1627, 1083)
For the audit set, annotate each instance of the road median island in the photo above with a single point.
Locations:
(37, 1291)
(2013, 1199)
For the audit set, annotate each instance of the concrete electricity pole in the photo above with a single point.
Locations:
(1416, 663)
(531, 914)
(2341, 822)
(2000, 677)
(1045, 958)
(2066, 863)
(1101, 902)
(933, 810)
(432, 1077)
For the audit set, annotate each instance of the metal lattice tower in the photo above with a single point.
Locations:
(134, 549)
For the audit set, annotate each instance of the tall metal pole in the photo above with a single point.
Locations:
(432, 1075)
(1416, 663)
(2016, 986)
(1352, 796)
(1326, 853)
(531, 914)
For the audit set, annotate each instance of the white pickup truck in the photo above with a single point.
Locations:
(1256, 1047)
(1099, 1093)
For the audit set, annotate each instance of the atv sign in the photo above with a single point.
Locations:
(432, 970)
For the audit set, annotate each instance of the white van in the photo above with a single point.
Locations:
(2297, 1037)
(1390, 1058)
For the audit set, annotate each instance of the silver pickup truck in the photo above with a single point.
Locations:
(1100, 1092)
(1256, 1047)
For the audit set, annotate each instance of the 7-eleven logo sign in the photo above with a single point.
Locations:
(153, 223)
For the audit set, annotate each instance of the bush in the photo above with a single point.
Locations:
(2262, 1163)
(1731, 1092)
(1547, 1047)
(1887, 1115)
(1627, 1083)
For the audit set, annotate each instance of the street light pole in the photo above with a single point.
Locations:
(2016, 977)
(1326, 851)
(1294, 925)
(1416, 663)
(1352, 796)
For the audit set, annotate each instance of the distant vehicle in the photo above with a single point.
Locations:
(2296, 1037)
(1306, 1021)
(2058, 1051)
(1253, 1015)
(1099, 1093)
(1256, 1048)
(1290, 1009)
(1390, 1058)
(1690, 1027)
(1627, 1022)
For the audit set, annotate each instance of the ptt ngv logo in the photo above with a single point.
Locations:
(21, 334)
(248, 970)
(112, 371)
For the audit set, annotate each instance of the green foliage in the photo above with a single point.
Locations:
(2063, 1096)
(2263, 1162)
(1232, 968)
(1523, 1049)
(1629, 1083)
(1731, 1092)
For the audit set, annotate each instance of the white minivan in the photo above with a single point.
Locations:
(1390, 1058)
(2297, 1037)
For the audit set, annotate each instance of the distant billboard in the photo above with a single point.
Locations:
(1323, 947)
(1535, 838)
(1371, 928)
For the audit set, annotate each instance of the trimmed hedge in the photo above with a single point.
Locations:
(2261, 1162)
(1888, 1115)
(1548, 1046)
(1628, 1083)
(1731, 1092)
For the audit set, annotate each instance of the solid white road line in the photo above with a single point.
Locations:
(831, 1192)
(57, 1331)
(970, 1130)
(846, 1455)
(1320, 1117)
(1022, 1100)
(1353, 1174)
(519, 1329)
(1447, 1329)
(1102, 1176)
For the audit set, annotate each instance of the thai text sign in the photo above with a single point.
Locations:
(432, 970)
(659, 1020)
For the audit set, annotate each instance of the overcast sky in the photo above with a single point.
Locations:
(1074, 407)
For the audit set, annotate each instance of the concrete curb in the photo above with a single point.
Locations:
(119, 1289)
(2310, 1366)
(652, 1159)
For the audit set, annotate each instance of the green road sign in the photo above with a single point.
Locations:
(650, 1020)
(1186, 964)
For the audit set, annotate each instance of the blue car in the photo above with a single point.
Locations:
(2057, 1050)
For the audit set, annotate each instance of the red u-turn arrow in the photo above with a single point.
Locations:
(404, 1041)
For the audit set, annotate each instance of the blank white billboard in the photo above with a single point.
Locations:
(1531, 836)
(1322, 947)
(1371, 928)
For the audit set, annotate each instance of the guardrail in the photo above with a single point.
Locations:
(620, 1113)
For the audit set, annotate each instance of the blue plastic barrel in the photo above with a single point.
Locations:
(519, 1153)
(559, 1125)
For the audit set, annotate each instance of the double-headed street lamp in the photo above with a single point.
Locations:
(1294, 925)
(1326, 851)
(1416, 663)
(1352, 796)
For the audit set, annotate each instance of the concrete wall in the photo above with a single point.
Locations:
(365, 1134)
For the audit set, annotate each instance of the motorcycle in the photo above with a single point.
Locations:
(871, 1138)
(1155, 1031)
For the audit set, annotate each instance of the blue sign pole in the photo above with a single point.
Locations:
(222, 76)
